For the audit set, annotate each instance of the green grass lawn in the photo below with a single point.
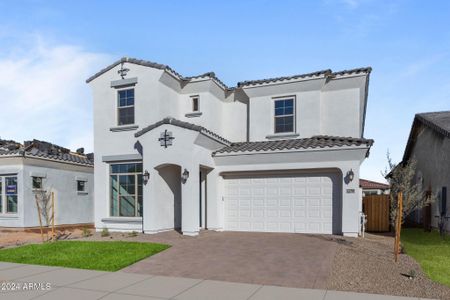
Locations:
(430, 251)
(103, 256)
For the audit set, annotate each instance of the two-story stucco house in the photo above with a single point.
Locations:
(189, 153)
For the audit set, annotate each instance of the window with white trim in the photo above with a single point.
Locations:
(8, 194)
(37, 182)
(126, 189)
(195, 103)
(125, 107)
(81, 185)
(284, 115)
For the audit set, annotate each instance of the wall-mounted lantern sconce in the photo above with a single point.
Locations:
(146, 176)
(185, 176)
(350, 175)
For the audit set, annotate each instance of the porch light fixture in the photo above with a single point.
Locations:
(146, 176)
(350, 175)
(185, 176)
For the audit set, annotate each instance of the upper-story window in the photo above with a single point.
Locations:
(284, 115)
(81, 185)
(125, 107)
(195, 103)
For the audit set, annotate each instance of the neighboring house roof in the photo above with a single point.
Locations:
(372, 185)
(186, 125)
(436, 121)
(44, 150)
(319, 141)
(212, 75)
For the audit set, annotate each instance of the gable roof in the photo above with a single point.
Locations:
(44, 150)
(158, 66)
(186, 125)
(318, 141)
(437, 121)
(212, 75)
(368, 184)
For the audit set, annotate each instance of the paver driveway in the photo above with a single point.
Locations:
(283, 259)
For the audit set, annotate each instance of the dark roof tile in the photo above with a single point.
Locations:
(45, 150)
(182, 124)
(438, 121)
(213, 76)
(319, 141)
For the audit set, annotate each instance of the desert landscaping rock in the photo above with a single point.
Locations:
(367, 265)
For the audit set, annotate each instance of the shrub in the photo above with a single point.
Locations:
(105, 232)
(86, 232)
(133, 234)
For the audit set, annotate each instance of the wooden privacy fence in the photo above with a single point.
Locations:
(376, 209)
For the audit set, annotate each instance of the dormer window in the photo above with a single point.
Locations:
(125, 107)
(195, 103)
(284, 115)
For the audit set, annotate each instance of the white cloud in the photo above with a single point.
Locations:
(44, 94)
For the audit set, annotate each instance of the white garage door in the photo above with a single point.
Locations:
(282, 203)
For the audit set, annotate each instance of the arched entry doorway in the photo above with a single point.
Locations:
(169, 189)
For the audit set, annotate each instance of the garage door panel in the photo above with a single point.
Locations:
(285, 202)
(258, 191)
(271, 213)
(299, 214)
(295, 203)
(299, 191)
(258, 202)
(299, 202)
(258, 226)
(258, 213)
(272, 191)
(285, 213)
(272, 202)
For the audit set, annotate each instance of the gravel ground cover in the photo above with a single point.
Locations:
(367, 265)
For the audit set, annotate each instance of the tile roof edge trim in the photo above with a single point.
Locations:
(212, 75)
(335, 148)
(186, 125)
(28, 155)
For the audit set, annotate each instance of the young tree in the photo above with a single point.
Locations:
(44, 203)
(401, 179)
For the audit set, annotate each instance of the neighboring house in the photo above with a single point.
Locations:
(429, 144)
(373, 188)
(274, 155)
(30, 169)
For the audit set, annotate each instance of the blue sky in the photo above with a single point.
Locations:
(49, 48)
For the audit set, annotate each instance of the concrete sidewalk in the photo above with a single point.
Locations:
(71, 284)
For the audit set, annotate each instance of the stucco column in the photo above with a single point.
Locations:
(351, 198)
(190, 201)
(215, 200)
(150, 207)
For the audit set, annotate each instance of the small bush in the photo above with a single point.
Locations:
(86, 232)
(133, 234)
(105, 232)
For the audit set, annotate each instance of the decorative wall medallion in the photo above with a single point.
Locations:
(123, 71)
(166, 138)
